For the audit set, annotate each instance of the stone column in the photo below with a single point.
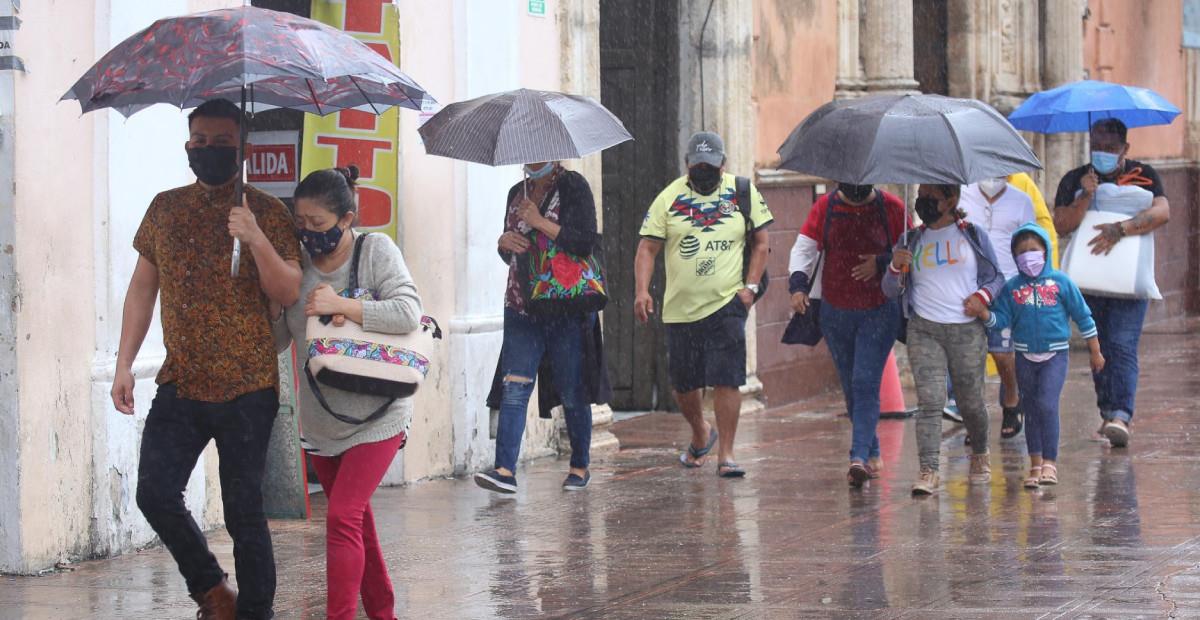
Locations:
(993, 51)
(1062, 62)
(850, 83)
(887, 46)
(580, 36)
(728, 109)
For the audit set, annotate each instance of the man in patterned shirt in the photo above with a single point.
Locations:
(220, 379)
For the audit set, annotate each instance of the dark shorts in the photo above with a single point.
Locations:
(710, 352)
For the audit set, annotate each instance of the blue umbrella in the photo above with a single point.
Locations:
(1075, 106)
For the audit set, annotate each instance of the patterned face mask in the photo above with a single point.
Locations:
(321, 242)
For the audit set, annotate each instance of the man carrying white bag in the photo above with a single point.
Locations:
(1122, 200)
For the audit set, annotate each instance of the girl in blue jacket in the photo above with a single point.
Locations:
(1038, 304)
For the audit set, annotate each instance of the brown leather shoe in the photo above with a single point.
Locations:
(219, 603)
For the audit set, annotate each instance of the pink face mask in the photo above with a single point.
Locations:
(1031, 263)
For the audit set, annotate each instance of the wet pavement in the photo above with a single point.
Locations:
(1118, 538)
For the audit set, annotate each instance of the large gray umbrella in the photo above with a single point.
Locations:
(907, 139)
(522, 127)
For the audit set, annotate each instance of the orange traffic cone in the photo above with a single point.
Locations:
(891, 396)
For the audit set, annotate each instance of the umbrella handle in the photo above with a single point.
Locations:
(235, 259)
(239, 188)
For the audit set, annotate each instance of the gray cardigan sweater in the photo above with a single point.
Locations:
(398, 311)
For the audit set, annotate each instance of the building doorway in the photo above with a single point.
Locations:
(639, 68)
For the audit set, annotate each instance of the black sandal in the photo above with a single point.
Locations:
(1013, 421)
(729, 469)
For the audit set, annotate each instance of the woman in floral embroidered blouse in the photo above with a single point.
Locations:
(551, 206)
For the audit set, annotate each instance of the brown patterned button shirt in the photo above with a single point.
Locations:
(216, 328)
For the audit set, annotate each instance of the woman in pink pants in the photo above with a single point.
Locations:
(351, 438)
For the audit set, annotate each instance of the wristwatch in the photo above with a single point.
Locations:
(753, 287)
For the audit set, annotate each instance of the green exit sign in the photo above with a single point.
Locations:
(537, 8)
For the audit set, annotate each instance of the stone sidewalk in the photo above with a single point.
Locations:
(1119, 538)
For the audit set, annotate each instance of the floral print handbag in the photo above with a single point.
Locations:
(349, 358)
(563, 283)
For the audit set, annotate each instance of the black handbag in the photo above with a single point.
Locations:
(806, 328)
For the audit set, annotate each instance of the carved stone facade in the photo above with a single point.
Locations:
(994, 51)
(850, 82)
(997, 51)
(875, 48)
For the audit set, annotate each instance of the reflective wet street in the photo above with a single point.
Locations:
(1118, 538)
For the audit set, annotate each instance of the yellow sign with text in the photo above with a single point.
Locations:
(361, 138)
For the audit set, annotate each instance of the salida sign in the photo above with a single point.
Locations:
(272, 163)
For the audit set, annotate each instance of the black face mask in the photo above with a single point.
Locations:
(928, 210)
(319, 243)
(855, 193)
(704, 178)
(213, 165)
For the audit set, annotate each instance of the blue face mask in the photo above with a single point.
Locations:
(1104, 162)
(541, 172)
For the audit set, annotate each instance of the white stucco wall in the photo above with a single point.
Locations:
(135, 158)
(453, 216)
(10, 439)
(81, 185)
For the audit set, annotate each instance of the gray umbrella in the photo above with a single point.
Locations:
(522, 127)
(907, 139)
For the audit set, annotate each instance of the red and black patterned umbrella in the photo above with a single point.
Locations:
(283, 60)
(258, 58)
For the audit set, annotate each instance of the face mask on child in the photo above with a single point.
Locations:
(1031, 263)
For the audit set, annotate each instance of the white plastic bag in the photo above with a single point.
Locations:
(1126, 272)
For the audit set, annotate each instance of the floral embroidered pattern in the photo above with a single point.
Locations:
(372, 351)
(558, 274)
(359, 293)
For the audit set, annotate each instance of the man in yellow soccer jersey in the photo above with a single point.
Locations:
(712, 280)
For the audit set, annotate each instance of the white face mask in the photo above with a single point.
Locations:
(992, 187)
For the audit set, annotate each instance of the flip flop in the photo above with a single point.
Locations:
(1014, 419)
(729, 469)
(701, 453)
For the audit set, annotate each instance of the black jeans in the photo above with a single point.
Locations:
(177, 430)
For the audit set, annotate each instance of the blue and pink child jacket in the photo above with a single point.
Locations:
(1040, 309)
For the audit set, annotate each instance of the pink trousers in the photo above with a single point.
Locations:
(353, 558)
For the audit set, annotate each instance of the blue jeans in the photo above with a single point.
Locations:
(860, 341)
(1119, 328)
(1041, 385)
(526, 339)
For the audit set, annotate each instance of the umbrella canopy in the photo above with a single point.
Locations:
(277, 59)
(284, 60)
(1075, 106)
(522, 127)
(906, 139)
